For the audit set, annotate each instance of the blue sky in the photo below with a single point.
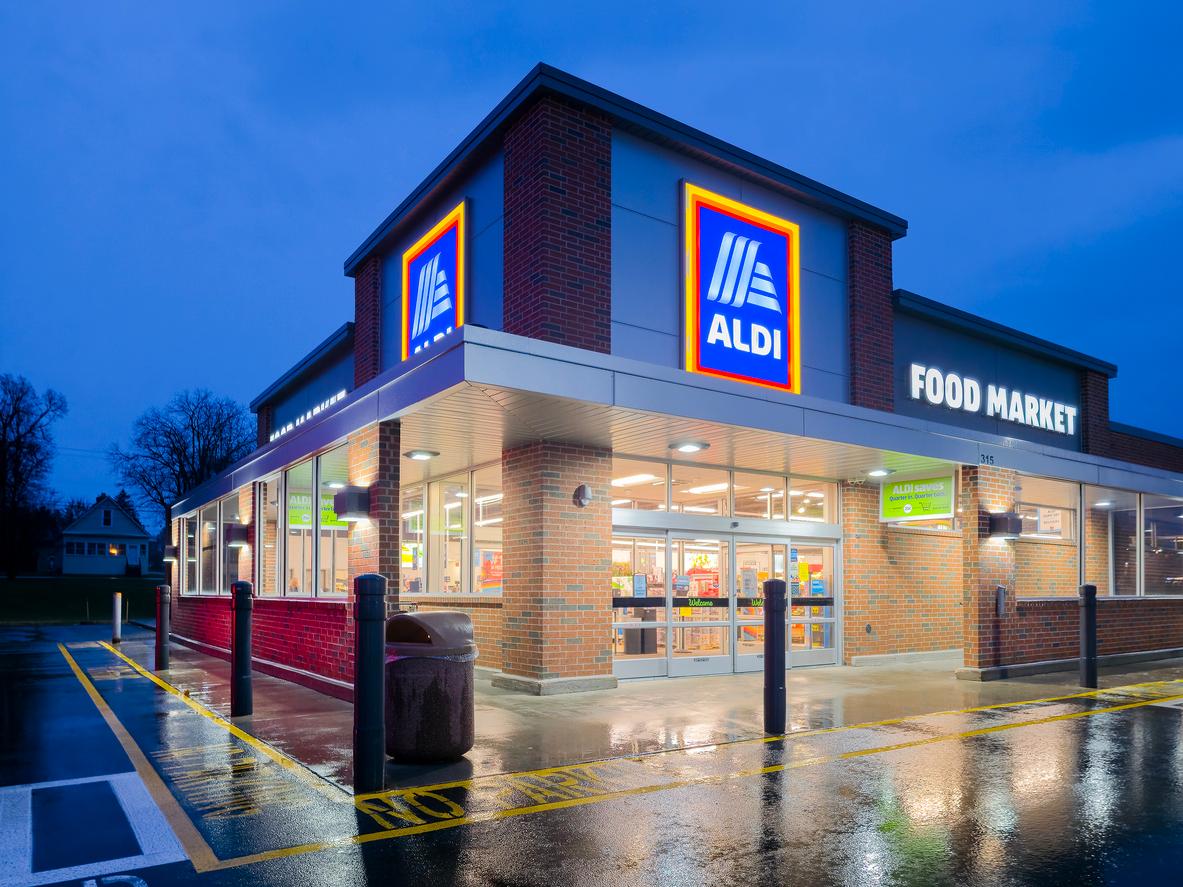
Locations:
(178, 176)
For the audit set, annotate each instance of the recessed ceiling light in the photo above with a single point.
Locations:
(707, 488)
(420, 455)
(690, 446)
(879, 472)
(767, 489)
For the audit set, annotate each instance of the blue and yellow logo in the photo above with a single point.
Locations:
(742, 280)
(433, 284)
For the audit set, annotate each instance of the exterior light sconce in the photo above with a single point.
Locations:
(1006, 525)
(238, 535)
(170, 554)
(352, 504)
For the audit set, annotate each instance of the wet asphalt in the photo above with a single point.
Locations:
(106, 776)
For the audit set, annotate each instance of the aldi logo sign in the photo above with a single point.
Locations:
(433, 284)
(742, 277)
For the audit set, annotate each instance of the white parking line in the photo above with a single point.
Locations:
(158, 844)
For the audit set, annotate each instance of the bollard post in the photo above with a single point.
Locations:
(242, 700)
(117, 618)
(775, 693)
(163, 618)
(1088, 636)
(369, 683)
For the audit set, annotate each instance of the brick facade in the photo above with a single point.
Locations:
(486, 615)
(265, 420)
(374, 454)
(558, 225)
(367, 321)
(904, 584)
(872, 338)
(557, 602)
(1046, 568)
(986, 562)
(1100, 439)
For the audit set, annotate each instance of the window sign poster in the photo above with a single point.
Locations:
(749, 582)
(1051, 521)
(640, 585)
(742, 280)
(682, 584)
(817, 587)
(920, 498)
(489, 571)
(300, 512)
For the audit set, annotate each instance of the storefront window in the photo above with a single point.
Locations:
(1110, 540)
(487, 518)
(209, 549)
(1047, 507)
(412, 548)
(236, 553)
(447, 519)
(270, 576)
(189, 548)
(1162, 553)
(697, 489)
(334, 534)
(638, 597)
(813, 500)
(638, 484)
(298, 549)
(759, 495)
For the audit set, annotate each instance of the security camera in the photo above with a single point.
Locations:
(582, 496)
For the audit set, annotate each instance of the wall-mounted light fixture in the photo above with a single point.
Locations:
(1006, 525)
(352, 504)
(237, 535)
(170, 554)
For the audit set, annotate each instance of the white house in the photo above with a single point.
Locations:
(105, 541)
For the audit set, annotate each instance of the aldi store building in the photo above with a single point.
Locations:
(606, 374)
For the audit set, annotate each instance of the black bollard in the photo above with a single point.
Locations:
(163, 608)
(775, 693)
(242, 700)
(369, 683)
(1088, 636)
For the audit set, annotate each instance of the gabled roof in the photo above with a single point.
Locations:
(105, 501)
(639, 119)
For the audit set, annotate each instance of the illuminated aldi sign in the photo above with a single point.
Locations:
(433, 284)
(742, 283)
(920, 498)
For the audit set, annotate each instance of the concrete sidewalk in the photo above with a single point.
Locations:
(517, 732)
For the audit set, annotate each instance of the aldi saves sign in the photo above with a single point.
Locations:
(742, 282)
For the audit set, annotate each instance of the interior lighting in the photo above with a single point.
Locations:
(699, 509)
(420, 455)
(796, 493)
(1105, 504)
(407, 515)
(708, 488)
(633, 480)
(801, 510)
(485, 500)
(336, 485)
(815, 495)
(690, 446)
(621, 501)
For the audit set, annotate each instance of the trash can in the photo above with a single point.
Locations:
(430, 669)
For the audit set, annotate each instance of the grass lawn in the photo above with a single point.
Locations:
(74, 599)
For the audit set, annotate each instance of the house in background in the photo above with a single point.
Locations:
(105, 541)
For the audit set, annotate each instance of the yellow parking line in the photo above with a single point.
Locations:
(326, 788)
(198, 850)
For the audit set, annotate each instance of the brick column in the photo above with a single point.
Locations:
(986, 563)
(872, 337)
(557, 600)
(373, 544)
(265, 419)
(367, 321)
(1095, 436)
(558, 225)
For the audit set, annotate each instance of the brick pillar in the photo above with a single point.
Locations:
(1095, 436)
(986, 563)
(867, 573)
(373, 544)
(265, 420)
(246, 514)
(557, 601)
(872, 338)
(367, 321)
(558, 225)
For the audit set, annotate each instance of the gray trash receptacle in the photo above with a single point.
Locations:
(430, 671)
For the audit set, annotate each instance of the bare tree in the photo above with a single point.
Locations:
(185, 443)
(26, 453)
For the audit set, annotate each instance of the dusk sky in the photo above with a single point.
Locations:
(182, 182)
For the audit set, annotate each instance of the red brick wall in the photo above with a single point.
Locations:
(1101, 440)
(486, 615)
(374, 454)
(1046, 568)
(872, 340)
(558, 225)
(1047, 630)
(905, 584)
(557, 602)
(986, 562)
(265, 420)
(367, 321)
(305, 634)
(202, 619)
(1096, 550)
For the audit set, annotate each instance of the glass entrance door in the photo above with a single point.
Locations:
(640, 610)
(813, 628)
(702, 613)
(755, 562)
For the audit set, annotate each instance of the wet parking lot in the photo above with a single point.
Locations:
(107, 773)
